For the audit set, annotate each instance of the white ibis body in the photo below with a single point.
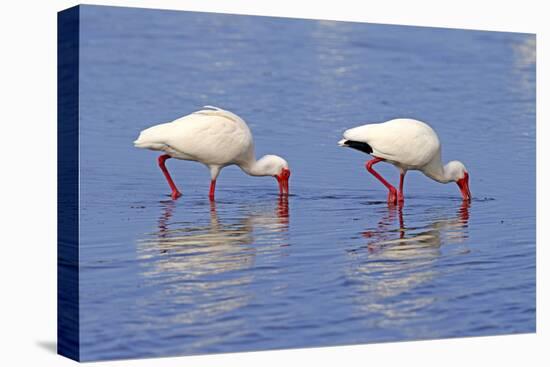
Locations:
(215, 138)
(409, 145)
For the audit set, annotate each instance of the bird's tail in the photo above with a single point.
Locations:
(151, 138)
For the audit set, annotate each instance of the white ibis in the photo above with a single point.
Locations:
(409, 145)
(215, 138)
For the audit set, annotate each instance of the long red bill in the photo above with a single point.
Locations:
(282, 178)
(464, 187)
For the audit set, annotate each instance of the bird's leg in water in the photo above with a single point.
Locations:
(392, 195)
(175, 192)
(400, 195)
(212, 189)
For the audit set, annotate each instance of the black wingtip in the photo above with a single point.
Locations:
(358, 145)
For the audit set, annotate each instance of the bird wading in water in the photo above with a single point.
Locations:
(409, 145)
(216, 138)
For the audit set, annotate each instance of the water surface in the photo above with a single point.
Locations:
(332, 264)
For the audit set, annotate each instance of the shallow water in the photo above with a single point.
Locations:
(333, 264)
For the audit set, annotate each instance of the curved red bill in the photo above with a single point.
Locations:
(282, 178)
(464, 187)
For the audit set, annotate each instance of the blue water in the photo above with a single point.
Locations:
(333, 264)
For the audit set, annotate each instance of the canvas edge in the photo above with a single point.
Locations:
(68, 44)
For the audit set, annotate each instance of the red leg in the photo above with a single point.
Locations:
(401, 223)
(212, 189)
(392, 196)
(400, 195)
(175, 192)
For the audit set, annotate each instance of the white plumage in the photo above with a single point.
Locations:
(216, 138)
(212, 137)
(408, 144)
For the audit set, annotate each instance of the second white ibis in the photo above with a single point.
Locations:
(408, 144)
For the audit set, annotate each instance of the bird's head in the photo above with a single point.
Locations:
(457, 171)
(273, 165)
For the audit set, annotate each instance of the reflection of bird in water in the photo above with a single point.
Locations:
(205, 266)
(399, 260)
(452, 228)
(281, 215)
(216, 236)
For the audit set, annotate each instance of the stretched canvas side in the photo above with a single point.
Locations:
(67, 178)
